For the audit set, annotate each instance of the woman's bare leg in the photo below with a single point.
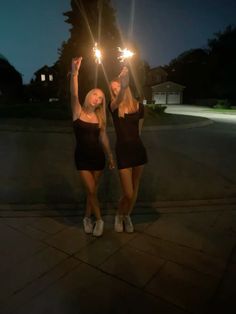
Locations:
(127, 188)
(90, 180)
(136, 176)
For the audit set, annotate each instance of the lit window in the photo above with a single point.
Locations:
(43, 77)
(50, 77)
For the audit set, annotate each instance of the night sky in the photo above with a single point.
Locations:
(32, 31)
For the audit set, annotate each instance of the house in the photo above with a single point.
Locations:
(46, 75)
(167, 93)
(156, 75)
(44, 86)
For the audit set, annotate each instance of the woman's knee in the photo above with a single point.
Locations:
(128, 195)
(92, 192)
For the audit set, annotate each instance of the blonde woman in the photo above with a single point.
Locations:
(128, 115)
(89, 123)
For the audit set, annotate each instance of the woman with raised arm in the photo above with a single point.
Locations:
(89, 123)
(128, 115)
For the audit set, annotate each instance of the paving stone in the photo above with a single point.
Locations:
(36, 287)
(188, 229)
(86, 290)
(142, 221)
(188, 257)
(233, 255)
(186, 288)
(24, 225)
(194, 230)
(132, 265)
(227, 291)
(100, 249)
(224, 300)
(18, 276)
(226, 222)
(18, 222)
(49, 225)
(15, 247)
(70, 240)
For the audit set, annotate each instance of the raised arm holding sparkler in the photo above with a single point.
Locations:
(75, 104)
(118, 88)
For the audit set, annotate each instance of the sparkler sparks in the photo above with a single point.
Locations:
(125, 54)
(97, 54)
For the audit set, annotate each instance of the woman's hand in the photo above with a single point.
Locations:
(124, 77)
(75, 65)
(111, 162)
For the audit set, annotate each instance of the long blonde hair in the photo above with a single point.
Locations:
(100, 111)
(128, 101)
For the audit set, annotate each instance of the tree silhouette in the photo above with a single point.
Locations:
(191, 70)
(95, 21)
(222, 64)
(92, 21)
(210, 72)
(11, 86)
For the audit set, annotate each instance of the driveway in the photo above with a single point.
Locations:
(197, 163)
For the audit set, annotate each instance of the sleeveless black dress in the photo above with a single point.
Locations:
(89, 154)
(130, 151)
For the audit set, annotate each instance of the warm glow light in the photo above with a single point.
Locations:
(125, 54)
(97, 54)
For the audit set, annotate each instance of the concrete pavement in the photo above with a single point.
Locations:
(180, 259)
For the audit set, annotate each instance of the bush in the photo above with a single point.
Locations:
(222, 104)
(157, 108)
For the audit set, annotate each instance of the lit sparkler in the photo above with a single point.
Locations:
(125, 54)
(97, 54)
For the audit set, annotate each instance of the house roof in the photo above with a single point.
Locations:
(158, 69)
(168, 86)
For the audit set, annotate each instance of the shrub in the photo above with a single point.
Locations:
(157, 108)
(222, 104)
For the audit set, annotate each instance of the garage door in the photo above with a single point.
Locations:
(160, 98)
(173, 98)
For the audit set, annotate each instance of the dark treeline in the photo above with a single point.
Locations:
(210, 72)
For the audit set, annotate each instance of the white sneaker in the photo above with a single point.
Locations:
(98, 229)
(88, 226)
(119, 223)
(128, 224)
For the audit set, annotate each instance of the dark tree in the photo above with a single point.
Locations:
(210, 72)
(191, 70)
(92, 21)
(95, 21)
(222, 52)
(11, 86)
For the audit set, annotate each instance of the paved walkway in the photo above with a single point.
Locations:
(180, 259)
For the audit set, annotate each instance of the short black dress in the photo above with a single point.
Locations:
(130, 151)
(89, 154)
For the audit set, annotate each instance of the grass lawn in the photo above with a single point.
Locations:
(47, 111)
(219, 110)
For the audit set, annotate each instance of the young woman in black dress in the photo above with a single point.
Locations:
(131, 155)
(89, 122)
